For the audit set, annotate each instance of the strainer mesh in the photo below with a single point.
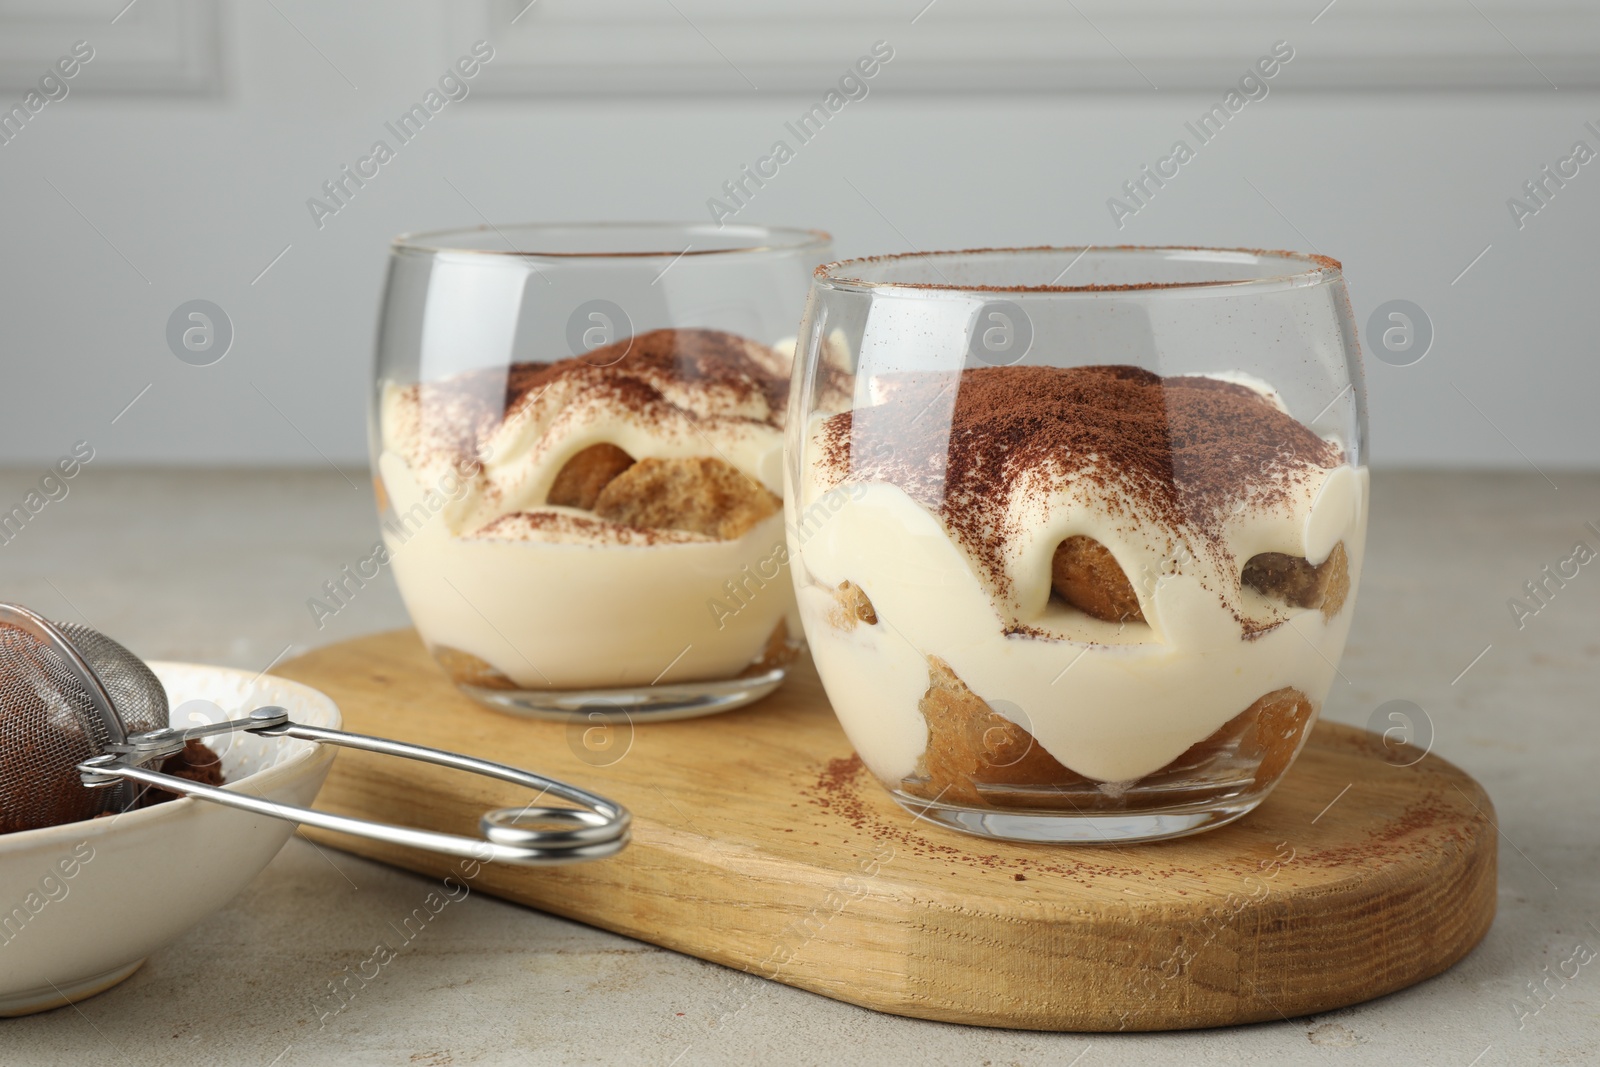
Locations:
(48, 724)
(136, 692)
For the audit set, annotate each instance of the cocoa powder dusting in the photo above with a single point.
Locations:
(1182, 452)
(691, 356)
(640, 374)
(557, 527)
(851, 802)
(845, 792)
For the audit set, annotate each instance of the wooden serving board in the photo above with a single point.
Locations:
(762, 844)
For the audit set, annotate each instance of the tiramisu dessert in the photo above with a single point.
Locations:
(1059, 588)
(609, 520)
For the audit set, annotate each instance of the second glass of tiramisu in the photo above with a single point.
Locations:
(577, 434)
(1076, 552)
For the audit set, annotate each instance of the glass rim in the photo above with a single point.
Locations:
(763, 239)
(1314, 269)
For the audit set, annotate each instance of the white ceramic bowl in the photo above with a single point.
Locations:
(82, 905)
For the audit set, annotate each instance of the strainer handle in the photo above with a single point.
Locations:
(597, 828)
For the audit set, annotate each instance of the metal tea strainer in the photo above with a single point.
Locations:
(81, 717)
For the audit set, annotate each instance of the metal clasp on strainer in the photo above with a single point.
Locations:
(101, 687)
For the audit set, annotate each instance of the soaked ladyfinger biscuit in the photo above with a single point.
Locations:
(970, 744)
(779, 652)
(699, 494)
(464, 668)
(1268, 730)
(1337, 566)
(850, 607)
(1281, 719)
(1087, 576)
(579, 482)
(1298, 583)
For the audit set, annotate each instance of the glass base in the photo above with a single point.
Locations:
(1085, 828)
(636, 704)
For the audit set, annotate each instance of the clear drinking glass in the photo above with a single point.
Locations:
(576, 435)
(1076, 533)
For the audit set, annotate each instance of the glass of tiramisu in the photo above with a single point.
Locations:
(577, 437)
(1076, 532)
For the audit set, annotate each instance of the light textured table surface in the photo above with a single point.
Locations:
(218, 566)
